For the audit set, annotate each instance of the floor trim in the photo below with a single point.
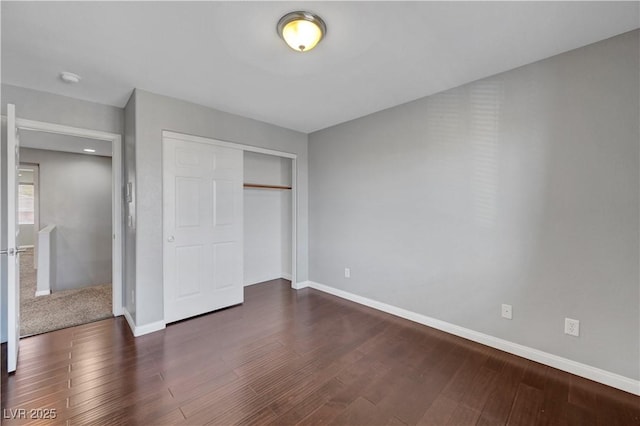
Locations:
(300, 285)
(265, 279)
(596, 374)
(144, 329)
(43, 293)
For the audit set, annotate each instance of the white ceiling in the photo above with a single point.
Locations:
(227, 55)
(65, 143)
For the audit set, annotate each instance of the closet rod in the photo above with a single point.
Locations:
(257, 185)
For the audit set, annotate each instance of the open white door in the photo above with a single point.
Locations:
(12, 252)
(202, 214)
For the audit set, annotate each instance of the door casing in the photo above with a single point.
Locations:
(117, 215)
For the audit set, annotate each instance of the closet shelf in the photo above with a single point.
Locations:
(257, 185)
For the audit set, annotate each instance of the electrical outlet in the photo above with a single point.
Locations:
(347, 272)
(572, 327)
(507, 311)
(133, 297)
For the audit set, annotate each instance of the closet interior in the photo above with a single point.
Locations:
(267, 217)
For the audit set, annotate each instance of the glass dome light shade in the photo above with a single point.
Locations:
(302, 31)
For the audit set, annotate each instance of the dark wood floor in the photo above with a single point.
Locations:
(287, 357)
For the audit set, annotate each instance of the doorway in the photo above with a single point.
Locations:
(66, 266)
(114, 143)
(14, 127)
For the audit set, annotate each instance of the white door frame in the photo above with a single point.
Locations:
(294, 188)
(13, 231)
(116, 191)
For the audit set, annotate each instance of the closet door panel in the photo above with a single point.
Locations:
(203, 220)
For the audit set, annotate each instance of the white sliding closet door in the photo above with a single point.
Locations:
(203, 235)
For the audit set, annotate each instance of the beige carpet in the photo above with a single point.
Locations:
(61, 309)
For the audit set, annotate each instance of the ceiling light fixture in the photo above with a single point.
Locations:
(69, 77)
(89, 150)
(301, 30)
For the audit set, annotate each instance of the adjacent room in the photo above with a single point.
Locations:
(65, 227)
(348, 213)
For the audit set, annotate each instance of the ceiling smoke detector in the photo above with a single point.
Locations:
(69, 77)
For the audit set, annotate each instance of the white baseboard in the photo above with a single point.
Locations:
(286, 276)
(592, 373)
(118, 311)
(300, 285)
(144, 329)
(262, 280)
(43, 293)
(127, 316)
(30, 246)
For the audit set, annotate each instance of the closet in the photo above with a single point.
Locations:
(267, 217)
(227, 222)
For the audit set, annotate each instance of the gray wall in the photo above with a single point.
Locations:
(27, 236)
(75, 195)
(521, 188)
(42, 106)
(155, 113)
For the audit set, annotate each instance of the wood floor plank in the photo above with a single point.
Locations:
(556, 398)
(439, 412)
(347, 388)
(479, 389)
(171, 418)
(262, 417)
(227, 409)
(463, 415)
(579, 416)
(295, 357)
(307, 405)
(535, 375)
(500, 401)
(360, 412)
(407, 400)
(461, 382)
(323, 415)
(526, 406)
(287, 396)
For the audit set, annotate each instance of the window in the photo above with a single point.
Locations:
(25, 204)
